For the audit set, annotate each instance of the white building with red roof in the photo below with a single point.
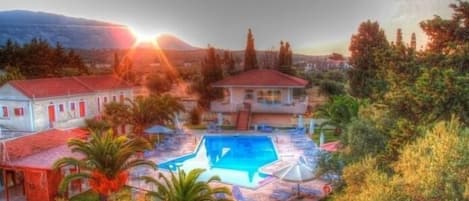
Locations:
(40, 104)
(260, 96)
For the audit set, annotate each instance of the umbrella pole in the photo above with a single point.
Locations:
(298, 191)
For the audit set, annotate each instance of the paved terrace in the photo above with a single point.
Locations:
(288, 152)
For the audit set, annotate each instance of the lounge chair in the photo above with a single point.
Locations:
(220, 196)
(213, 128)
(237, 194)
(281, 195)
(309, 192)
(265, 128)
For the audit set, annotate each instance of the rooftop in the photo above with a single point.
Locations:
(53, 87)
(34, 149)
(263, 78)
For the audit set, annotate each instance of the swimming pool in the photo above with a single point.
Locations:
(235, 159)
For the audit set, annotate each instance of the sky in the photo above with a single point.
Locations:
(313, 27)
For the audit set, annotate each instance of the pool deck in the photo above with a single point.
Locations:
(287, 152)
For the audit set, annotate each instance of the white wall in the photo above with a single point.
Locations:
(39, 119)
(11, 98)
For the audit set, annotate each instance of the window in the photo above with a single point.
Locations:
(4, 111)
(105, 100)
(61, 107)
(269, 96)
(72, 106)
(19, 111)
(121, 98)
(248, 94)
(114, 98)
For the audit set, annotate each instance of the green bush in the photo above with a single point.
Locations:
(363, 138)
(97, 125)
(331, 88)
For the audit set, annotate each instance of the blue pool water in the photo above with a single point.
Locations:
(235, 159)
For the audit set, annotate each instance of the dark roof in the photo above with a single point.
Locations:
(53, 87)
(262, 78)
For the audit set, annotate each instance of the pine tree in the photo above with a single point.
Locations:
(250, 59)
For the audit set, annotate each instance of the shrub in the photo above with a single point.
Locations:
(331, 88)
(97, 125)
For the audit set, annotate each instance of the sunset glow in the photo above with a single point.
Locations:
(144, 36)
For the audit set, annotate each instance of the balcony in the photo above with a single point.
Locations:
(297, 106)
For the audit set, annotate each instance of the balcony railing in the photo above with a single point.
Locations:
(297, 106)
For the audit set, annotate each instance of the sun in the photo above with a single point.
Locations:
(144, 36)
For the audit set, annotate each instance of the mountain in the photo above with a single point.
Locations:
(170, 42)
(21, 26)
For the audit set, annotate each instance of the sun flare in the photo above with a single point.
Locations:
(143, 36)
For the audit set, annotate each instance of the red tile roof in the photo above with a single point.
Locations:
(264, 78)
(34, 144)
(49, 87)
(103, 82)
(53, 87)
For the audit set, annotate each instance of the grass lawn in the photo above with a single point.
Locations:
(329, 135)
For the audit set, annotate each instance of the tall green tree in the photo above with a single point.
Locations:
(250, 58)
(365, 47)
(11, 73)
(37, 59)
(413, 41)
(186, 187)
(211, 71)
(285, 60)
(106, 161)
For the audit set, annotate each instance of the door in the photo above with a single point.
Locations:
(36, 185)
(82, 109)
(51, 110)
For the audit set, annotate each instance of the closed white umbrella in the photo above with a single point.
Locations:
(297, 173)
(300, 121)
(321, 138)
(311, 126)
(219, 119)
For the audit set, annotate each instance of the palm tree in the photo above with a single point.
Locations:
(186, 187)
(142, 112)
(339, 111)
(106, 161)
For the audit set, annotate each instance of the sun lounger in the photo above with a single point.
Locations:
(307, 191)
(237, 194)
(281, 195)
(265, 128)
(220, 196)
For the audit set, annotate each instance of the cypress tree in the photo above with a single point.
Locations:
(281, 55)
(250, 59)
(413, 42)
(211, 72)
(399, 38)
